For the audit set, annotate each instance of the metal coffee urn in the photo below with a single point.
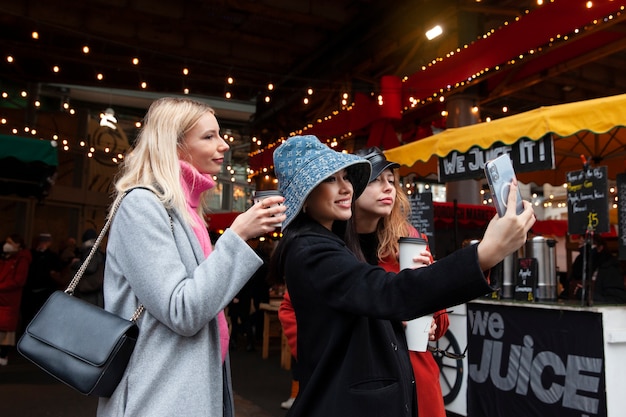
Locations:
(544, 251)
(509, 272)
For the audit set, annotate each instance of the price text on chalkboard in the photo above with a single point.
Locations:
(587, 201)
(422, 217)
(621, 215)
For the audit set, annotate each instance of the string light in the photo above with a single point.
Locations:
(346, 106)
(414, 102)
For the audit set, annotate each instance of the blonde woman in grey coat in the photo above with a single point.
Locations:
(159, 255)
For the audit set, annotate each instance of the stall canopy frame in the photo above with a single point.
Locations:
(593, 128)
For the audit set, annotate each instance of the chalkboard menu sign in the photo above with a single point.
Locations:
(587, 201)
(527, 274)
(422, 217)
(621, 215)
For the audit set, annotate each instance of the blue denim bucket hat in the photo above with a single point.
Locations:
(301, 163)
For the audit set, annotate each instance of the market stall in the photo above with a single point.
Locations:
(533, 357)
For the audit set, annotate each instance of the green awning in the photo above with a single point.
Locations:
(27, 166)
(29, 149)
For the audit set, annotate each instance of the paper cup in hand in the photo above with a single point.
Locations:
(417, 333)
(261, 195)
(417, 330)
(410, 247)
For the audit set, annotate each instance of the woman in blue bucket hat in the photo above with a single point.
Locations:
(352, 353)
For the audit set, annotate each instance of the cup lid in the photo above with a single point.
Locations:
(407, 239)
(266, 193)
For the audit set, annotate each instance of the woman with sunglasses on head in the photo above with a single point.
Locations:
(351, 358)
(381, 218)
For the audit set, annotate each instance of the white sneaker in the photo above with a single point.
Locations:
(286, 405)
(5, 361)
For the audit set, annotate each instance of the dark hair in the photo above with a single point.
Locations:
(346, 230)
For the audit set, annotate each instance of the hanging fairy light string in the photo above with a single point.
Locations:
(451, 89)
(344, 103)
(62, 142)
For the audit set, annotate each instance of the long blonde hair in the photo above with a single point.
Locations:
(396, 225)
(153, 162)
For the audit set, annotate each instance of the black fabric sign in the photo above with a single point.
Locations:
(621, 215)
(587, 201)
(526, 282)
(526, 361)
(527, 155)
(422, 217)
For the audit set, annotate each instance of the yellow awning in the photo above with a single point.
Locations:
(593, 128)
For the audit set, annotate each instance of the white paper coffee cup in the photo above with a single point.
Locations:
(417, 333)
(410, 247)
(417, 330)
(261, 195)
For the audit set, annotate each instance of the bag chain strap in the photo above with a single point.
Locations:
(79, 274)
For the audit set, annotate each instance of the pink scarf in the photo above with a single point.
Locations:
(194, 184)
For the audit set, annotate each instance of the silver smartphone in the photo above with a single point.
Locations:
(500, 175)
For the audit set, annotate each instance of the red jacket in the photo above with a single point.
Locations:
(13, 273)
(425, 369)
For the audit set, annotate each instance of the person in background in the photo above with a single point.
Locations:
(352, 361)
(89, 287)
(603, 270)
(159, 255)
(14, 263)
(260, 288)
(69, 252)
(239, 314)
(43, 276)
(245, 310)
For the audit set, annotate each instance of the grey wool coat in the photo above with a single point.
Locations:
(176, 368)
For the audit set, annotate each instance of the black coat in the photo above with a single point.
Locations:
(352, 353)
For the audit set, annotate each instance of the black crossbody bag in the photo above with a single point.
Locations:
(79, 343)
